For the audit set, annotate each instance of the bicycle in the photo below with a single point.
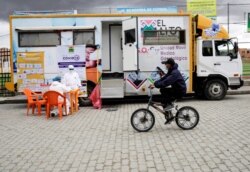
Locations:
(143, 120)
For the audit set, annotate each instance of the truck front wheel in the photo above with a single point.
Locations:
(215, 89)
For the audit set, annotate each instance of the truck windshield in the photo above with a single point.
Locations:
(224, 48)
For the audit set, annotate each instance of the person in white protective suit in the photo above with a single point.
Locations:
(71, 78)
(61, 88)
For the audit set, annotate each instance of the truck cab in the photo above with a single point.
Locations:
(218, 63)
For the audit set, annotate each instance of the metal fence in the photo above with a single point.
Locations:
(5, 72)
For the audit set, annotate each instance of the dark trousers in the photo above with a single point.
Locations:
(169, 95)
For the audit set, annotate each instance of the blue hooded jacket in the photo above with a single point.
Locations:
(173, 78)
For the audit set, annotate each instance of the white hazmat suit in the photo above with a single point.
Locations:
(61, 88)
(71, 78)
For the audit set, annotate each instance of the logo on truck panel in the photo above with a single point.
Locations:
(148, 25)
(75, 57)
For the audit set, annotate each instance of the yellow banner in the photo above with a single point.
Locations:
(204, 7)
(30, 70)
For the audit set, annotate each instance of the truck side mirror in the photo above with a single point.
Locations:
(236, 48)
(232, 56)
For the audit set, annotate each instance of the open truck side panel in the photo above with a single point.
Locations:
(174, 35)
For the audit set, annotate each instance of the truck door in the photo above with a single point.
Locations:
(223, 63)
(130, 50)
(215, 59)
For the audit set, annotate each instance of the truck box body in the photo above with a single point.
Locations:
(132, 46)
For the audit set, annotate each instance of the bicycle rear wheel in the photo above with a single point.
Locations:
(142, 120)
(187, 118)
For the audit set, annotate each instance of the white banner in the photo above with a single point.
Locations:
(151, 56)
(73, 55)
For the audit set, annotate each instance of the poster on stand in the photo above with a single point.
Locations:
(30, 72)
(73, 55)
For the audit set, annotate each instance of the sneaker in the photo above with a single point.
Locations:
(168, 121)
(64, 114)
(168, 107)
(52, 114)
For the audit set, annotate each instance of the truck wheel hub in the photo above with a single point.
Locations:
(216, 89)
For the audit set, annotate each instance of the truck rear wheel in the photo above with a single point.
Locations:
(215, 89)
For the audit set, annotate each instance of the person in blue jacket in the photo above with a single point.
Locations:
(174, 79)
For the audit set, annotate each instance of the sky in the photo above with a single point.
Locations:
(237, 9)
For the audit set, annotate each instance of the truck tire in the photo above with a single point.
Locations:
(215, 89)
(85, 101)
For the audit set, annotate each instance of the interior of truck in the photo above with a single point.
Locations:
(112, 60)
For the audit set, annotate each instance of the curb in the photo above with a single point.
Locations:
(14, 102)
(238, 92)
(247, 83)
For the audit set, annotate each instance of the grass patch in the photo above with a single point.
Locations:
(246, 67)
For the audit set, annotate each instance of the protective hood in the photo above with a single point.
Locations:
(55, 83)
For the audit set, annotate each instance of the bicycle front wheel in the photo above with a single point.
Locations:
(142, 120)
(187, 118)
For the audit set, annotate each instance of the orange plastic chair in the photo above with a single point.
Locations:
(74, 94)
(76, 99)
(33, 101)
(52, 100)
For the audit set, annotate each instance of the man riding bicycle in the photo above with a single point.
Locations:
(174, 79)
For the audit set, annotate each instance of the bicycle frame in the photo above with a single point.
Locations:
(154, 104)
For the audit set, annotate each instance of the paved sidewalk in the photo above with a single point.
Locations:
(98, 140)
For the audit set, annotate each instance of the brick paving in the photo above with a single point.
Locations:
(101, 140)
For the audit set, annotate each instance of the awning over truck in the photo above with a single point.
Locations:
(49, 28)
(209, 29)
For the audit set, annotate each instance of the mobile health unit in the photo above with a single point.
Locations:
(122, 51)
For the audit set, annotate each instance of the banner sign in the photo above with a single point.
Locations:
(30, 72)
(73, 55)
(170, 9)
(204, 7)
(176, 44)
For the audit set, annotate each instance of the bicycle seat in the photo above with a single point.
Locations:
(173, 102)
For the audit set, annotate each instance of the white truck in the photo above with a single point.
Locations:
(122, 51)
